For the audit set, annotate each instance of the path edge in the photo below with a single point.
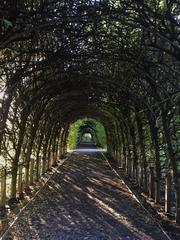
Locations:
(2, 237)
(135, 196)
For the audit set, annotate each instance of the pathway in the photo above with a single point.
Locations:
(84, 200)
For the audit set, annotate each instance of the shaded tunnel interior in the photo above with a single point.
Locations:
(113, 61)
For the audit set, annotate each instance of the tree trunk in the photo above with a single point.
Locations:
(20, 183)
(27, 174)
(31, 179)
(38, 160)
(151, 183)
(3, 188)
(143, 154)
(135, 158)
(155, 141)
(123, 148)
(168, 192)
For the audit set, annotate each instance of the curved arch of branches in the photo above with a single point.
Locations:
(115, 60)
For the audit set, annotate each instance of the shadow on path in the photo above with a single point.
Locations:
(85, 200)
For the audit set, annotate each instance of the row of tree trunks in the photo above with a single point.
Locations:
(127, 141)
(33, 130)
(36, 152)
(35, 166)
(15, 161)
(173, 158)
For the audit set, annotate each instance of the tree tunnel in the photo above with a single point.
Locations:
(86, 130)
(87, 137)
(114, 61)
(87, 134)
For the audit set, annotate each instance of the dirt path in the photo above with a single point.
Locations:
(84, 200)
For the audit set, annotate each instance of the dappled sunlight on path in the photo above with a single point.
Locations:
(85, 200)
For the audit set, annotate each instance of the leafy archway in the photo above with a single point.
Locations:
(77, 127)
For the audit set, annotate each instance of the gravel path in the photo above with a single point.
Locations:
(84, 200)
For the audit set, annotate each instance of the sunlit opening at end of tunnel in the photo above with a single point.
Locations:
(87, 135)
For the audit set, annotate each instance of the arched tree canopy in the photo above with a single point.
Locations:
(117, 61)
